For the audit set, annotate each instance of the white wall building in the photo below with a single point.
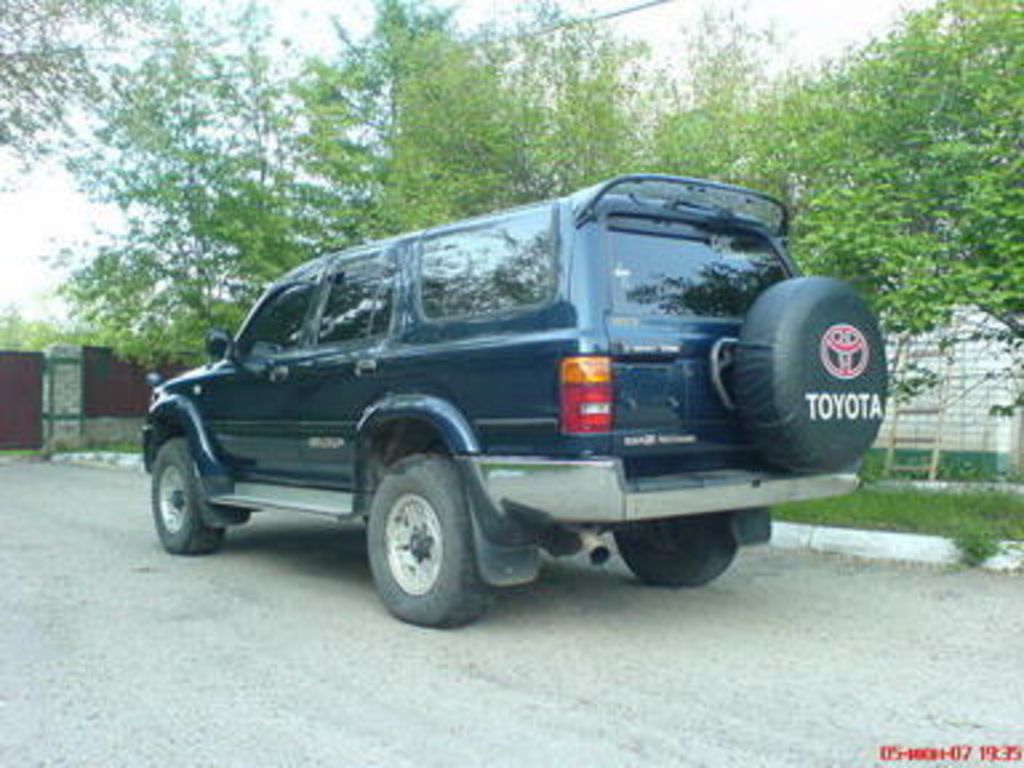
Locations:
(973, 376)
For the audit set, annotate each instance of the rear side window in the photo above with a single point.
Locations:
(279, 322)
(703, 275)
(359, 301)
(499, 266)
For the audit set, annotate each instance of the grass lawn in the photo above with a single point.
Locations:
(975, 521)
(132, 447)
(100, 447)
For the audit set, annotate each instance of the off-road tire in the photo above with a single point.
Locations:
(678, 552)
(457, 595)
(192, 536)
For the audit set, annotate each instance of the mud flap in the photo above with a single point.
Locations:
(752, 526)
(223, 516)
(505, 566)
(507, 552)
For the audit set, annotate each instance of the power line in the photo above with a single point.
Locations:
(598, 17)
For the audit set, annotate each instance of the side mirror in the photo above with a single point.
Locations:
(218, 344)
(154, 379)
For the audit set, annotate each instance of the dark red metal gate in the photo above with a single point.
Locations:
(116, 387)
(111, 386)
(21, 400)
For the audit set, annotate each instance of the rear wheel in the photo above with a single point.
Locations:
(177, 499)
(420, 543)
(680, 551)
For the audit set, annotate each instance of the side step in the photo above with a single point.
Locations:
(312, 500)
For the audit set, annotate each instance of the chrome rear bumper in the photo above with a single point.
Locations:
(597, 491)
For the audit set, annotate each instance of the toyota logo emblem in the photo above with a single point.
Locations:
(844, 351)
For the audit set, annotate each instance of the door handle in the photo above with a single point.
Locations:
(278, 373)
(365, 365)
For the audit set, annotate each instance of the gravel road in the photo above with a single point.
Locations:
(275, 652)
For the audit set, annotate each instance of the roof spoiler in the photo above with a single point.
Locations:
(738, 201)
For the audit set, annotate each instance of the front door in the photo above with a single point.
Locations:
(249, 403)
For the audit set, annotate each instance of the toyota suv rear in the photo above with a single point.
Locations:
(640, 359)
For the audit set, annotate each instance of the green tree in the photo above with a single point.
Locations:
(47, 52)
(582, 102)
(197, 146)
(905, 165)
(353, 109)
(715, 110)
(445, 124)
(901, 162)
(19, 332)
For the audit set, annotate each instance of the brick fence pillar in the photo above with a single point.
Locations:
(62, 397)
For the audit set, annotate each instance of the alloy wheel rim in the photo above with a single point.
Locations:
(414, 544)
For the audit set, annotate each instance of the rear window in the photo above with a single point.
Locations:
(693, 273)
(501, 265)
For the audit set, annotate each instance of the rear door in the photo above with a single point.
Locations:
(345, 371)
(676, 289)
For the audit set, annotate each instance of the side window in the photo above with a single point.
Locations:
(505, 264)
(359, 301)
(278, 324)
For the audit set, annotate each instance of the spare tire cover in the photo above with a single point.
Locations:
(810, 378)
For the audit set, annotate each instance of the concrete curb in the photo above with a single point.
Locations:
(947, 486)
(885, 545)
(100, 458)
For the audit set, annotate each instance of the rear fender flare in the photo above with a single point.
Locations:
(454, 428)
(504, 557)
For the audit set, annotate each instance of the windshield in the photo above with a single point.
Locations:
(691, 274)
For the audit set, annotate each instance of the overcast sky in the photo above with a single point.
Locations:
(44, 212)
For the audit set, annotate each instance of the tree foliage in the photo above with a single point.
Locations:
(449, 125)
(47, 49)
(20, 332)
(901, 161)
(198, 147)
(908, 164)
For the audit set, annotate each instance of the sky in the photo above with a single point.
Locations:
(43, 212)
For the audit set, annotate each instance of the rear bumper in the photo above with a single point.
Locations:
(597, 491)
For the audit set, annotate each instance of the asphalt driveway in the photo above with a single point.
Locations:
(276, 652)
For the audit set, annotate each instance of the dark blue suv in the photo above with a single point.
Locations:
(640, 358)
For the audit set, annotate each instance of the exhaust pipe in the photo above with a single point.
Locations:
(596, 550)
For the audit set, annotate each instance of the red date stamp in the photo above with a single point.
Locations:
(952, 753)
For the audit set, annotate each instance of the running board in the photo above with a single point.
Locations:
(265, 496)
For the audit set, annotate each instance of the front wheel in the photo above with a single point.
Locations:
(679, 551)
(420, 543)
(177, 503)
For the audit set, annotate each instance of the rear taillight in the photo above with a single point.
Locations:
(586, 395)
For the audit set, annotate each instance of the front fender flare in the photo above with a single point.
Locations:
(180, 413)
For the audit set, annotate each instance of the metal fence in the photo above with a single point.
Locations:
(112, 386)
(21, 400)
(71, 396)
